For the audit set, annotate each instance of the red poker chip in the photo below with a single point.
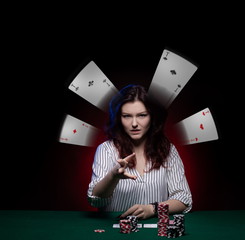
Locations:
(99, 230)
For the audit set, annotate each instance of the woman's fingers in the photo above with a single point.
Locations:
(122, 171)
(140, 211)
(124, 163)
(127, 175)
(129, 158)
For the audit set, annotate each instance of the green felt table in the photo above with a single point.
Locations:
(69, 225)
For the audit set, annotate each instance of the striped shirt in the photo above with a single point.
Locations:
(157, 185)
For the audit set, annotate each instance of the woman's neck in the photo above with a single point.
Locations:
(139, 146)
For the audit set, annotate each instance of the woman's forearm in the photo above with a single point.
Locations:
(106, 186)
(175, 206)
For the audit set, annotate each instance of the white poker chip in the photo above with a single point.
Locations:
(99, 230)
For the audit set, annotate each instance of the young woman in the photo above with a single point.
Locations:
(137, 167)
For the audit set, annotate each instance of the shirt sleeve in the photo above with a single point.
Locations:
(102, 164)
(178, 187)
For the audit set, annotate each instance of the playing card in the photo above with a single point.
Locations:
(92, 85)
(197, 128)
(116, 225)
(150, 225)
(171, 75)
(77, 132)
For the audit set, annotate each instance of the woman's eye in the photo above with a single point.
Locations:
(125, 116)
(142, 115)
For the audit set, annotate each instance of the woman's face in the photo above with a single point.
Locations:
(135, 119)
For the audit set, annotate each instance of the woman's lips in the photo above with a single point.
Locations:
(135, 131)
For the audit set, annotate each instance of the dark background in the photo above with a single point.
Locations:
(42, 57)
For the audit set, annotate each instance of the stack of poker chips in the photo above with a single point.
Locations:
(133, 222)
(177, 229)
(179, 221)
(125, 226)
(163, 219)
(129, 224)
(172, 231)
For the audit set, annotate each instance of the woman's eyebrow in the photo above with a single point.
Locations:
(136, 113)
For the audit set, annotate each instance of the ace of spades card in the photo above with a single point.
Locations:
(172, 74)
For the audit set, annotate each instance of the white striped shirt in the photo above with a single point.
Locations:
(157, 185)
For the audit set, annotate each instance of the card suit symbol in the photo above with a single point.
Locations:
(201, 126)
(90, 83)
(173, 72)
(74, 131)
(196, 139)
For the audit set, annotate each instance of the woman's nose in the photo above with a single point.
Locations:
(134, 123)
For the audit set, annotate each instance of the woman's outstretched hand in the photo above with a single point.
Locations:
(120, 172)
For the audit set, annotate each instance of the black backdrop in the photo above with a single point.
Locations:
(41, 59)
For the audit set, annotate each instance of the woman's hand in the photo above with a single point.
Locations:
(140, 211)
(106, 186)
(120, 172)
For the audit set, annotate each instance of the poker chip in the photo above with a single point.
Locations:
(177, 226)
(179, 221)
(99, 230)
(172, 231)
(133, 222)
(166, 227)
(169, 228)
(163, 219)
(129, 224)
(125, 226)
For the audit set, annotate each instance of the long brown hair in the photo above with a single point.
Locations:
(157, 145)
